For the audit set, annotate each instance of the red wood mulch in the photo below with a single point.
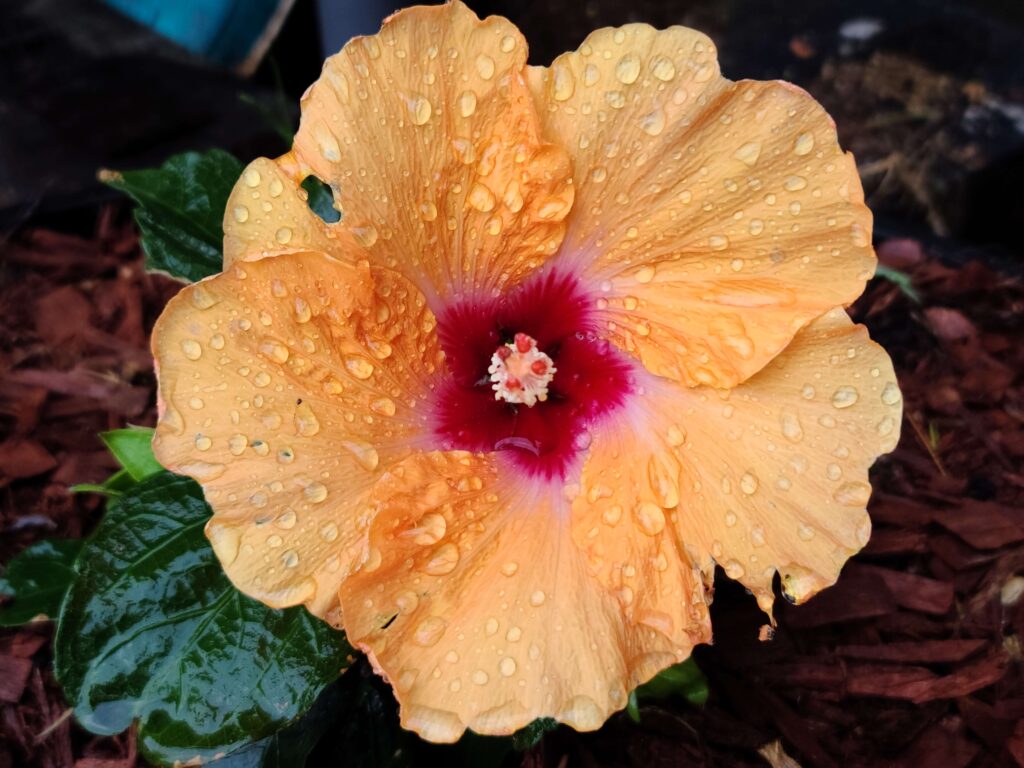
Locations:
(913, 659)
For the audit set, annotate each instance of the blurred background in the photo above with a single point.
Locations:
(920, 89)
(913, 659)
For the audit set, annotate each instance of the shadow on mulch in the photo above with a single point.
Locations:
(913, 659)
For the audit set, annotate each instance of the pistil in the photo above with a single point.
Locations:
(520, 372)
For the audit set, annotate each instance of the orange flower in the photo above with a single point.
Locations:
(578, 337)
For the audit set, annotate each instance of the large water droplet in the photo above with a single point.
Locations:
(628, 69)
(420, 110)
(274, 350)
(481, 198)
(748, 153)
(365, 454)
(804, 144)
(853, 494)
(485, 66)
(443, 561)
(306, 422)
(467, 103)
(663, 68)
(192, 349)
(564, 82)
(430, 631)
(845, 396)
(359, 366)
(791, 428)
(891, 394)
(315, 492)
(650, 518)
(237, 444)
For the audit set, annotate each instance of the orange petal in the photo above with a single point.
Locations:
(268, 214)
(429, 136)
(718, 217)
(483, 612)
(286, 387)
(772, 475)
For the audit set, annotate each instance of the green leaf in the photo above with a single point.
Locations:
(684, 679)
(37, 579)
(181, 208)
(530, 736)
(291, 746)
(114, 485)
(153, 630)
(133, 449)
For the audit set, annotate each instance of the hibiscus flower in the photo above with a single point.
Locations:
(577, 338)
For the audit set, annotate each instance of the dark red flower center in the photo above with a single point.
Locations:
(591, 379)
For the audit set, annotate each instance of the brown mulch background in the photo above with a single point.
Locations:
(913, 659)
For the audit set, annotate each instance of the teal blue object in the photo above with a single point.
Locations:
(224, 31)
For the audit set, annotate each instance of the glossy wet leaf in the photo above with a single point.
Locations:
(528, 737)
(36, 581)
(133, 449)
(152, 630)
(685, 680)
(180, 211)
(291, 746)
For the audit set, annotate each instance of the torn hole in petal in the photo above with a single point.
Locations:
(321, 199)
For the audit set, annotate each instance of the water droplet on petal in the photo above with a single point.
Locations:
(749, 153)
(854, 494)
(845, 396)
(443, 561)
(430, 631)
(485, 66)
(650, 518)
(306, 422)
(467, 103)
(365, 454)
(191, 349)
(481, 198)
(663, 68)
(564, 82)
(628, 69)
(791, 428)
(237, 444)
(420, 110)
(891, 394)
(804, 144)
(315, 492)
(359, 367)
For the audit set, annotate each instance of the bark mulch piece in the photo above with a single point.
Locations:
(75, 314)
(912, 659)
